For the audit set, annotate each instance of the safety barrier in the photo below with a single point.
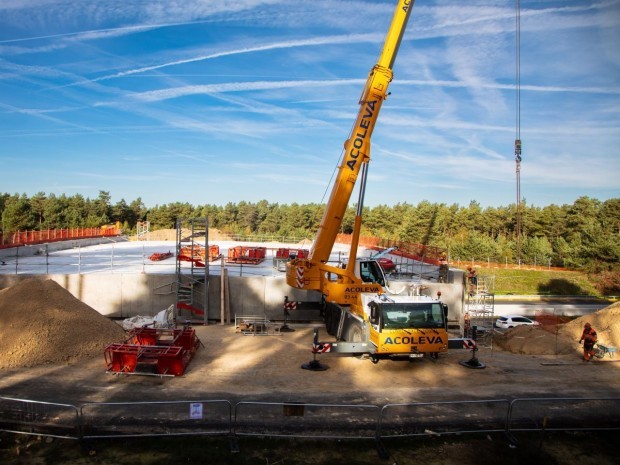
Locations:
(39, 418)
(20, 238)
(535, 414)
(429, 418)
(307, 420)
(173, 418)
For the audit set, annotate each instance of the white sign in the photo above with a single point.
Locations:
(195, 411)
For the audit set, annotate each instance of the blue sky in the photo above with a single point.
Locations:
(214, 101)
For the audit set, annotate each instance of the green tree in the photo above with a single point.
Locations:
(54, 212)
(610, 216)
(17, 214)
(37, 203)
(76, 210)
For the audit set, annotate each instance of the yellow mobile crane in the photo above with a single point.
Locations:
(364, 318)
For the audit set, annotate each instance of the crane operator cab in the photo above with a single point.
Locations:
(371, 272)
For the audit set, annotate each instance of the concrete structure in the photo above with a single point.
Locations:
(117, 280)
(127, 295)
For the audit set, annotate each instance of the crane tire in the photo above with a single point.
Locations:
(354, 334)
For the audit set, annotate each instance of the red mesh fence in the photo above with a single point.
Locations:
(19, 238)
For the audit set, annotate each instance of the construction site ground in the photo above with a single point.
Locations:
(268, 368)
(239, 367)
(51, 350)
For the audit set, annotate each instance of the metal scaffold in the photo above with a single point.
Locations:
(192, 270)
(142, 230)
(480, 308)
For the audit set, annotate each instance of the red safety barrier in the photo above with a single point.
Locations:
(20, 238)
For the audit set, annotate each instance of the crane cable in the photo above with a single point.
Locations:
(518, 124)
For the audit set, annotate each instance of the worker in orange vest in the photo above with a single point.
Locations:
(589, 338)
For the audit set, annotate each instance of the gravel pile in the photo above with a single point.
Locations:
(43, 323)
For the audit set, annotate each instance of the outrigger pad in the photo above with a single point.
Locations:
(314, 365)
(473, 363)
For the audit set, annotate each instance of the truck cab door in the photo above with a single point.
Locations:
(369, 271)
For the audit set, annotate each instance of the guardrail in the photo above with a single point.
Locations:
(306, 420)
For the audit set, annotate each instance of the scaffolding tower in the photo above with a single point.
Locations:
(142, 230)
(480, 309)
(192, 271)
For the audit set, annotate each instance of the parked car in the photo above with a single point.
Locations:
(510, 321)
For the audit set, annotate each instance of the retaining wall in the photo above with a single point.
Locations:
(126, 295)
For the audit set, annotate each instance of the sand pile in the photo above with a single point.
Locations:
(534, 340)
(606, 322)
(41, 322)
(171, 235)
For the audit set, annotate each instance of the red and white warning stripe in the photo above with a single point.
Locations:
(469, 344)
(300, 277)
(321, 348)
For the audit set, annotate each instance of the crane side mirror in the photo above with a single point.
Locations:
(374, 313)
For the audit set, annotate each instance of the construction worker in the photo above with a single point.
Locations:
(443, 269)
(589, 338)
(472, 278)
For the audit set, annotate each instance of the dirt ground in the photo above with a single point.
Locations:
(52, 350)
(239, 367)
(269, 367)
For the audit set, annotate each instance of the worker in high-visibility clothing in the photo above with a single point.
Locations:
(589, 338)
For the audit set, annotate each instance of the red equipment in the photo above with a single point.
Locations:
(197, 254)
(285, 253)
(246, 255)
(163, 352)
(156, 257)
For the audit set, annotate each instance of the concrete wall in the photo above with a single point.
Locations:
(127, 295)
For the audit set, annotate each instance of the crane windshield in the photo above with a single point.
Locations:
(412, 315)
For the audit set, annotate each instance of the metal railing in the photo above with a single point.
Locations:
(306, 420)
(39, 418)
(166, 418)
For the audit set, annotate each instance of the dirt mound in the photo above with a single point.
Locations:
(606, 322)
(171, 235)
(41, 322)
(534, 340)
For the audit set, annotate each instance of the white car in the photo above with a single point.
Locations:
(510, 321)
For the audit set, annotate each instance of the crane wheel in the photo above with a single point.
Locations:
(354, 334)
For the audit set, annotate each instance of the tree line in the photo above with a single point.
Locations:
(584, 235)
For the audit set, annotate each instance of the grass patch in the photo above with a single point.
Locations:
(539, 282)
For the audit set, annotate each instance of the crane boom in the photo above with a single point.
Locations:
(313, 272)
(357, 146)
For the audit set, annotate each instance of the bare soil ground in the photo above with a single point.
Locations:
(51, 349)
